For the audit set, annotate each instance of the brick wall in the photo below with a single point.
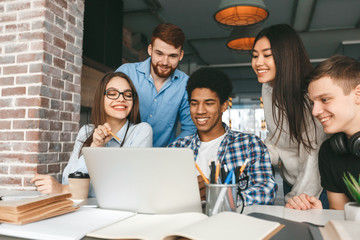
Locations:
(40, 68)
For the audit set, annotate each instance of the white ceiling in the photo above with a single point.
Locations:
(327, 27)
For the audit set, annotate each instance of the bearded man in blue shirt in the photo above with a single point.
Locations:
(208, 90)
(161, 86)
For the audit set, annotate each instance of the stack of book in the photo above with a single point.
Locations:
(21, 211)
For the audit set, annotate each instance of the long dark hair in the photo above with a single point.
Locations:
(98, 116)
(290, 99)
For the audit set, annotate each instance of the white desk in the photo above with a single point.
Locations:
(315, 216)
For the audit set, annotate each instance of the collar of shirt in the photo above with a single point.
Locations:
(120, 134)
(223, 145)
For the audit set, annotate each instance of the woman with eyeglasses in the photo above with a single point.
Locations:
(115, 111)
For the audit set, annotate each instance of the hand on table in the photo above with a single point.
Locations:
(304, 202)
(46, 184)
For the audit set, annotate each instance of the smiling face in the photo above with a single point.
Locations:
(336, 111)
(164, 58)
(206, 113)
(117, 110)
(263, 61)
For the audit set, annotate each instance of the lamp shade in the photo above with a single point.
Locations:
(241, 12)
(242, 38)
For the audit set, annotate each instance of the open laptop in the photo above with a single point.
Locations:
(144, 180)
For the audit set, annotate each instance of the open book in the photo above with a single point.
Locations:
(26, 210)
(341, 230)
(196, 226)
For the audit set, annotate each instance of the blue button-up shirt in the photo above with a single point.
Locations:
(162, 109)
(233, 150)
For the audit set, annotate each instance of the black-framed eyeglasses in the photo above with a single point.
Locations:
(114, 94)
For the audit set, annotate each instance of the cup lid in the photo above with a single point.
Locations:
(78, 175)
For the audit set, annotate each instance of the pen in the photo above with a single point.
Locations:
(244, 165)
(201, 173)
(217, 171)
(113, 135)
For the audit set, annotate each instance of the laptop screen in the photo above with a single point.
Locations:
(144, 180)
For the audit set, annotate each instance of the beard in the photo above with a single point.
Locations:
(160, 73)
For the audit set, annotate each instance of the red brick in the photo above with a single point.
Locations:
(29, 79)
(17, 6)
(29, 57)
(4, 169)
(70, 18)
(11, 113)
(36, 46)
(55, 30)
(59, 63)
(7, 59)
(66, 96)
(5, 124)
(57, 105)
(65, 116)
(30, 36)
(11, 136)
(51, 71)
(42, 113)
(32, 136)
(36, 67)
(26, 124)
(15, 69)
(76, 117)
(42, 168)
(68, 56)
(49, 136)
(67, 76)
(53, 8)
(65, 137)
(16, 47)
(57, 83)
(72, 87)
(44, 124)
(20, 27)
(28, 102)
(7, 18)
(30, 147)
(10, 181)
(69, 37)
(31, 15)
(59, 43)
(50, 92)
(5, 146)
(72, 107)
(54, 168)
(7, 81)
(55, 147)
(13, 91)
(55, 126)
(70, 127)
(68, 147)
(48, 58)
(60, 22)
(48, 158)
(6, 102)
(48, 37)
(14, 169)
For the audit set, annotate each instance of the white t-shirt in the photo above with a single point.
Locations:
(207, 153)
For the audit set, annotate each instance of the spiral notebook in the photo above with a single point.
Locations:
(144, 180)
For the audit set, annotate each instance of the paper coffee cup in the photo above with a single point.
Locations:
(79, 185)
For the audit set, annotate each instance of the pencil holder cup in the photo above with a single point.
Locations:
(221, 198)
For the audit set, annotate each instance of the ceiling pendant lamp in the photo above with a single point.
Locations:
(233, 13)
(242, 38)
